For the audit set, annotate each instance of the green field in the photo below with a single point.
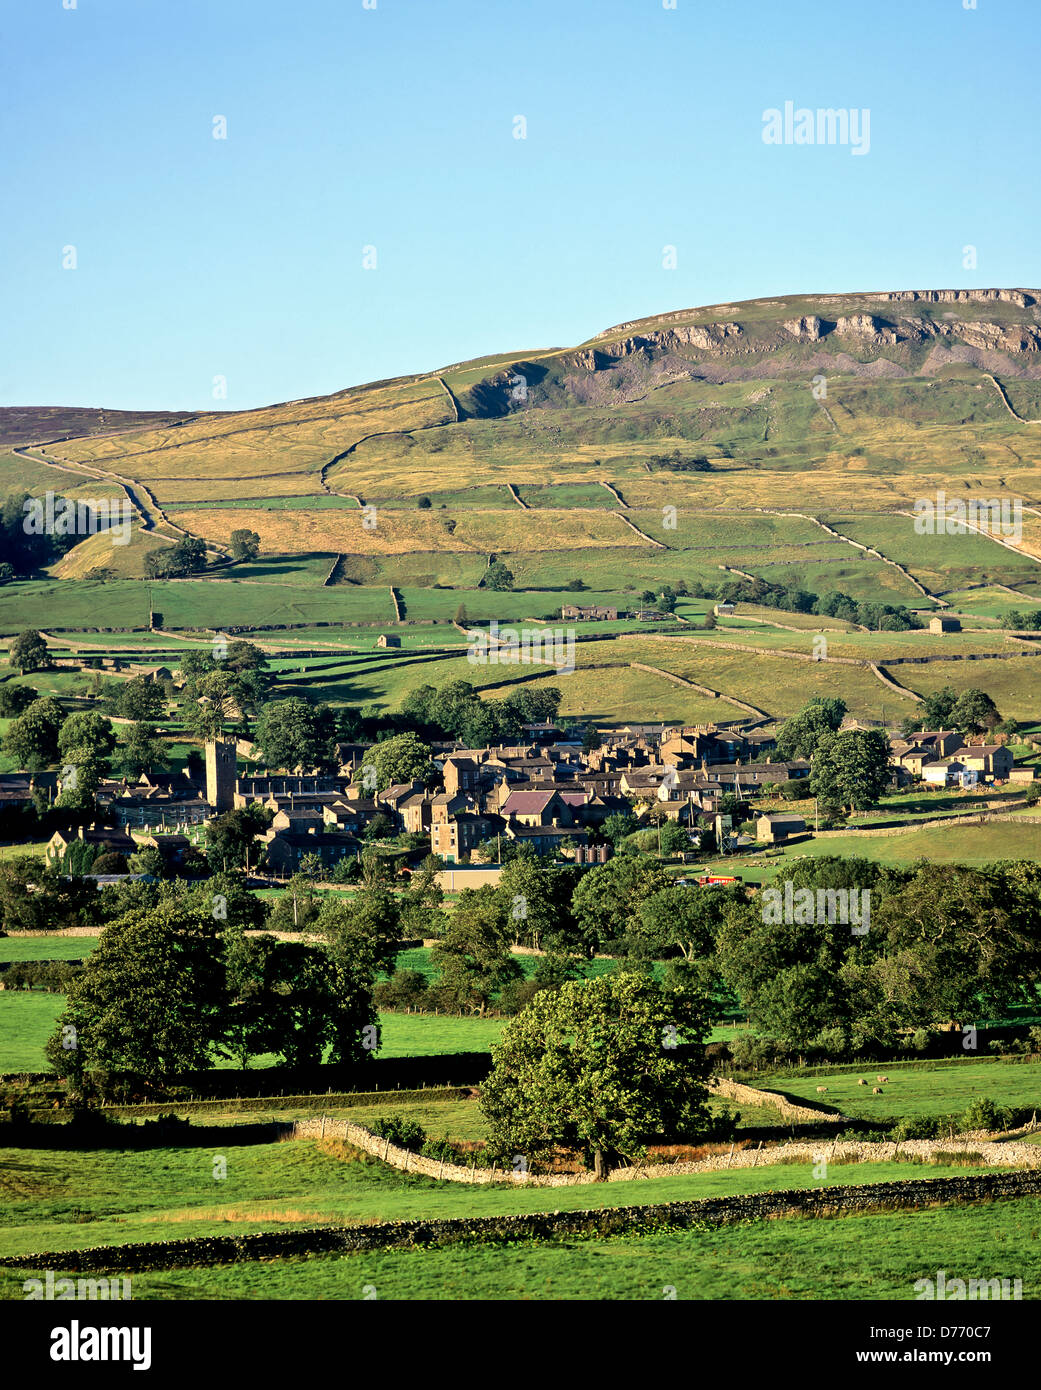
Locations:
(111, 1195)
(877, 1256)
(940, 1088)
(46, 947)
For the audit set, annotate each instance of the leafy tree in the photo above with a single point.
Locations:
(498, 577)
(245, 544)
(799, 736)
(618, 825)
(230, 837)
(140, 699)
(141, 750)
(15, 699)
(361, 937)
(33, 898)
(150, 1000)
(243, 656)
(938, 706)
(421, 913)
(686, 919)
(608, 898)
(401, 758)
(188, 556)
(29, 652)
(960, 943)
(148, 860)
(294, 733)
(588, 1066)
(851, 769)
(297, 908)
(280, 999)
(32, 738)
(536, 901)
(974, 711)
(473, 956)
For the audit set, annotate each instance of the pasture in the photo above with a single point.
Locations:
(52, 1199)
(877, 1256)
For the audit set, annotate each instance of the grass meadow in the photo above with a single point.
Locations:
(855, 1258)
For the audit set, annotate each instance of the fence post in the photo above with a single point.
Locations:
(756, 1159)
(730, 1155)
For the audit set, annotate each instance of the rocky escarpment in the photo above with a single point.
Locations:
(1023, 299)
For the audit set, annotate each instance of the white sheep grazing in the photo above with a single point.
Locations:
(883, 1080)
(822, 1090)
(861, 1082)
(880, 1079)
(876, 1090)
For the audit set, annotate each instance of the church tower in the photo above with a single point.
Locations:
(220, 774)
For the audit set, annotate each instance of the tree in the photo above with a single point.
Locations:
(799, 736)
(245, 545)
(618, 825)
(593, 1066)
(497, 576)
(424, 504)
(140, 750)
(960, 943)
(84, 743)
(188, 556)
(473, 956)
(280, 999)
(536, 901)
(401, 758)
(686, 919)
(230, 837)
(851, 769)
(32, 738)
(243, 656)
(297, 908)
(421, 913)
(294, 733)
(140, 699)
(29, 652)
(608, 898)
(974, 711)
(150, 1001)
(361, 937)
(938, 706)
(214, 704)
(15, 699)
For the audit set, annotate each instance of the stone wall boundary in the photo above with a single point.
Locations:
(699, 1214)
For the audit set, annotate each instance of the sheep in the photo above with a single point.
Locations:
(876, 1090)
(883, 1080)
(861, 1082)
(822, 1090)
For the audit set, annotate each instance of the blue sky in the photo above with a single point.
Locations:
(350, 127)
